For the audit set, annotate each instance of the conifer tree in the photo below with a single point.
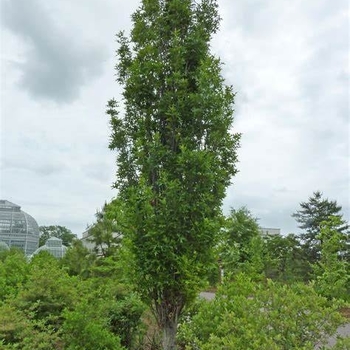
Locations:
(310, 217)
(176, 151)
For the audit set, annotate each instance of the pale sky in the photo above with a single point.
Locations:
(287, 60)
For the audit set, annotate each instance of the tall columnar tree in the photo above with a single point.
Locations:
(312, 213)
(176, 149)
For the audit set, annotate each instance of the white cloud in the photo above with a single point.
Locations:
(287, 61)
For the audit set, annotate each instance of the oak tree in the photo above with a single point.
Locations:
(176, 151)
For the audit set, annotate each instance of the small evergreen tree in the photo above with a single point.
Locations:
(105, 233)
(311, 215)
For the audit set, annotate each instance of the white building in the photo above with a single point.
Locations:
(87, 241)
(268, 231)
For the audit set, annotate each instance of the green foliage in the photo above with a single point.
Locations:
(332, 272)
(125, 318)
(311, 215)
(107, 308)
(17, 331)
(240, 246)
(241, 227)
(176, 151)
(12, 324)
(30, 318)
(106, 232)
(57, 231)
(46, 308)
(78, 260)
(254, 265)
(343, 343)
(13, 273)
(285, 259)
(48, 291)
(248, 315)
(86, 328)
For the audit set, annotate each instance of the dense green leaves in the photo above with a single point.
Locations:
(285, 259)
(93, 307)
(86, 328)
(13, 273)
(310, 217)
(106, 232)
(78, 260)
(43, 307)
(176, 148)
(237, 238)
(57, 231)
(247, 315)
(332, 270)
(18, 331)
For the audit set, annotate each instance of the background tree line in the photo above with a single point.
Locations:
(322, 248)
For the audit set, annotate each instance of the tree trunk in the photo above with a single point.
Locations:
(169, 335)
(167, 313)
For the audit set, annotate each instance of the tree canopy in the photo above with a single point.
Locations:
(57, 231)
(105, 233)
(310, 217)
(332, 270)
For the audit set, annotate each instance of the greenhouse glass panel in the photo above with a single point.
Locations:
(54, 246)
(17, 228)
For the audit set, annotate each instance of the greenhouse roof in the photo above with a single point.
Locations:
(6, 205)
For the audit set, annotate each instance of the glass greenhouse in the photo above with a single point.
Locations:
(17, 228)
(3, 247)
(54, 246)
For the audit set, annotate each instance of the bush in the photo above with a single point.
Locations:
(246, 315)
(85, 329)
(125, 318)
(13, 273)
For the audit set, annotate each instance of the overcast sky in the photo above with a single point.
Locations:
(287, 60)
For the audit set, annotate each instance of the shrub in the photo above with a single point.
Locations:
(248, 315)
